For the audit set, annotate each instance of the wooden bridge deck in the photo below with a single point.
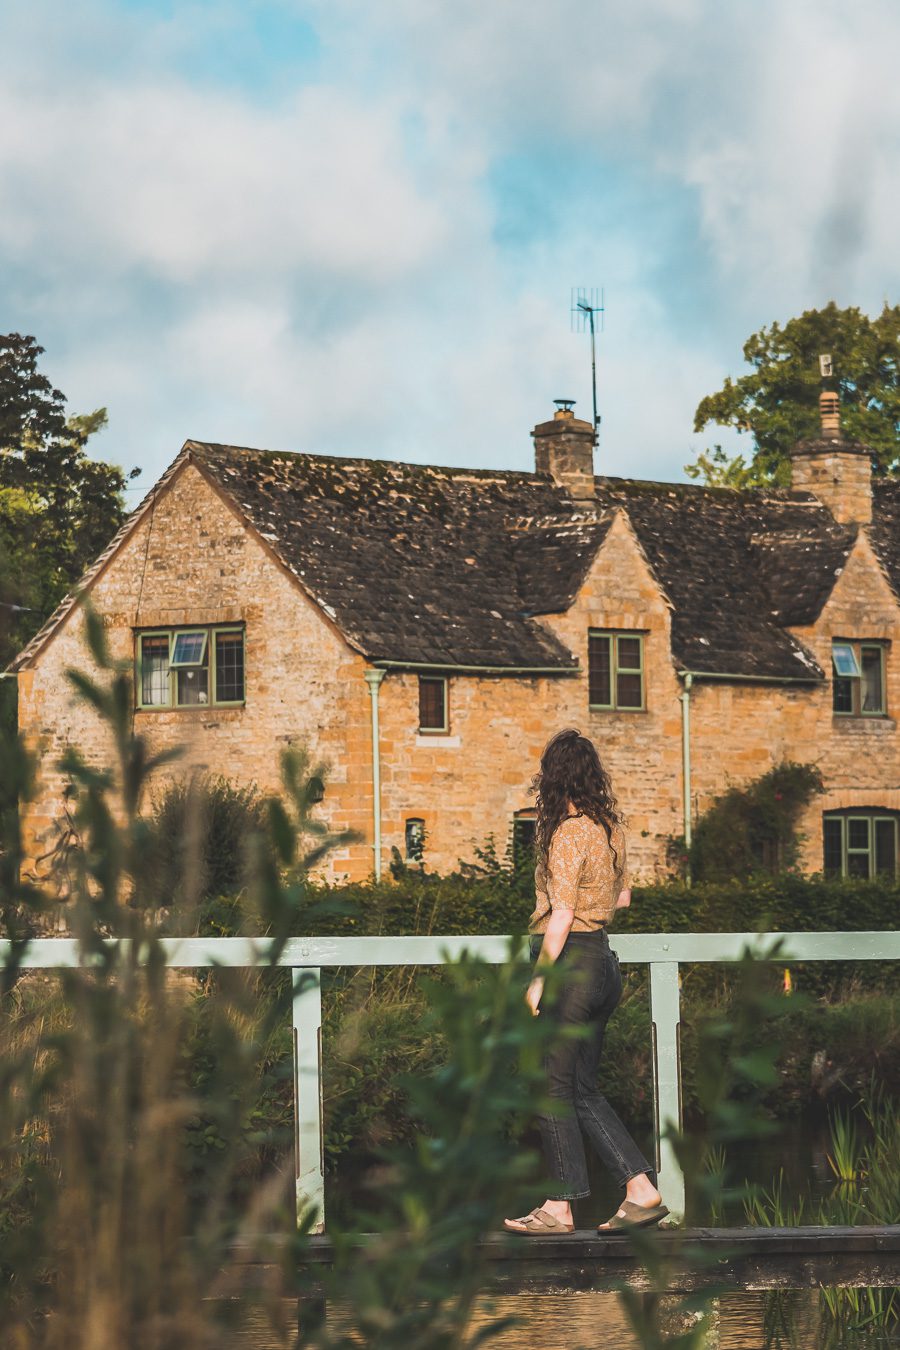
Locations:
(736, 1258)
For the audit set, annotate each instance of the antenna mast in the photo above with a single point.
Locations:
(586, 303)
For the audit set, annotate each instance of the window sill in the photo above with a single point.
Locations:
(599, 708)
(437, 738)
(876, 723)
(192, 709)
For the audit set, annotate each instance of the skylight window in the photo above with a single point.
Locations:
(189, 649)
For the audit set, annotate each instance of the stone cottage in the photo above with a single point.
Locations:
(423, 630)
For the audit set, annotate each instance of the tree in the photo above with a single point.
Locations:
(777, 403)
(58, 507)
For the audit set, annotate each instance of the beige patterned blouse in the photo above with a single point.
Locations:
(582, 874)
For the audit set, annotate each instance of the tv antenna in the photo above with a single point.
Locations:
(586, 304)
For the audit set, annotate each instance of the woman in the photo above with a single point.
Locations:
(580, 881)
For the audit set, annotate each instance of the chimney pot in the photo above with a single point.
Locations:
(830, 412)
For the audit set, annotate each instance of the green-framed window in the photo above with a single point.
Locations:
(858, 678)
(189, 667)
(616, 670)
(434, 711)
(860, 843)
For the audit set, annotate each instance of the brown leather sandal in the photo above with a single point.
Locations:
(635, 1216)
(538, 1224)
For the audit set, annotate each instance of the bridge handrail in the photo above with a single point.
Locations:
(306, 956)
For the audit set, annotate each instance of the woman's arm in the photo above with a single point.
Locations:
(564, 865)
(624, 899)
(558, 927)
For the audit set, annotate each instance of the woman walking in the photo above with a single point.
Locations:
(580, 881)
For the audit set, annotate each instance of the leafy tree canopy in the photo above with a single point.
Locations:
(778, 401)
(58, 507)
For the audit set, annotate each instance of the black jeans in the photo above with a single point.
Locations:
(589, 989)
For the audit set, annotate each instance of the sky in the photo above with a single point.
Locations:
(348, 227)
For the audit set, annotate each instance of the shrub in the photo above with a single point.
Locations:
(754, 828)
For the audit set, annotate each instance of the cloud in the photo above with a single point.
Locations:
(353, 228)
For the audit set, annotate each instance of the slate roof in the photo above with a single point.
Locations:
(450, 567)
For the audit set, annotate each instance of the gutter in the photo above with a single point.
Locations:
(373, 679)
(752, 679)
(476, 670)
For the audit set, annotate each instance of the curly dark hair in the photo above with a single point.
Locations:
(571, 771)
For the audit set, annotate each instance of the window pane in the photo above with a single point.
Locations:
(858, 865)
(844, 659)
(628, 691)
(599, 683)
(858, 833)
(415, 840)
(871, 692)
(155, 671)
(189, 649)
(629, 653)
(842, 695)
(886, 847)
(230, 667)
(193, 685)
(523, 840)
(831, 838)
(432, 701)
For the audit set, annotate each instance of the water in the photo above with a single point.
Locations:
(580, 1321)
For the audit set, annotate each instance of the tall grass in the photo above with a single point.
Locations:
(133, 1153)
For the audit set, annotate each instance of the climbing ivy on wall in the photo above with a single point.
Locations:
(753, 828)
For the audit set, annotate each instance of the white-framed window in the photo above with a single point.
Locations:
(858, 678)
(189, 667)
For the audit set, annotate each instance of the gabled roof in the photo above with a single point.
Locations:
(419, 565)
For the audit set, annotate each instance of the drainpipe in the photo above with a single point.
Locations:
(686, 763)
(373, 680)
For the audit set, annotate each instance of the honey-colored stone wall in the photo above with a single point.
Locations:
(470, 783)
(193, 561)
(196, 562)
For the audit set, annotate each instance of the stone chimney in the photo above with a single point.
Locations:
(564, 448)
(837, 471)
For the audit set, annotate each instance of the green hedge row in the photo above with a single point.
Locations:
(456, 904)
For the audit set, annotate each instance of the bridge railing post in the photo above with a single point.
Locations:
(309, 1156)
(665, 1016)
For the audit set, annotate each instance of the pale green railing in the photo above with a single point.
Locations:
(662, 952)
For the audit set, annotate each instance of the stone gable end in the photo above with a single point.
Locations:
(192, 560)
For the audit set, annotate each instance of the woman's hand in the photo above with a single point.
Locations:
(534, 992)
(624, 899)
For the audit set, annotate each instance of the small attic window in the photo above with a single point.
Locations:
(843, 656)
(189, 649)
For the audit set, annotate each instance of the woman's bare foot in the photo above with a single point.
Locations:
(640, 1191)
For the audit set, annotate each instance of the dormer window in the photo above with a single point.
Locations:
(858, 685)
(616, 670)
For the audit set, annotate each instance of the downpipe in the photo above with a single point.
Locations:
(686, 764)
(373, 680)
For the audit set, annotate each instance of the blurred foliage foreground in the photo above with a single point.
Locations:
(145, 1113)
